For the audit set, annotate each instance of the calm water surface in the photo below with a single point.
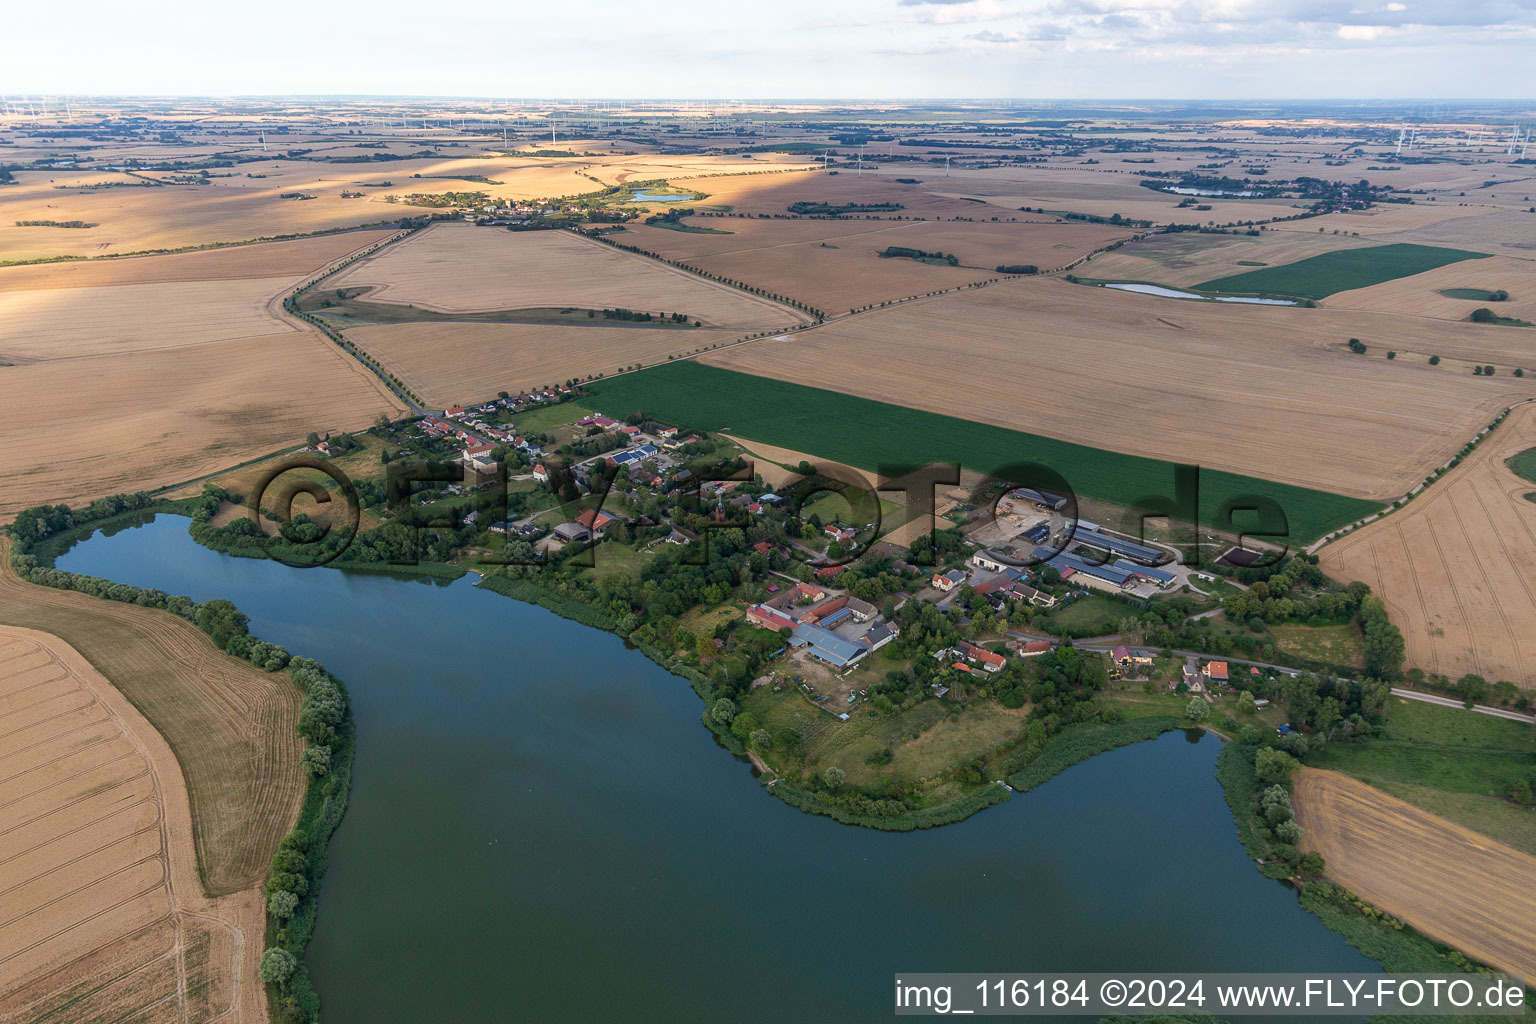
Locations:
(540, 829)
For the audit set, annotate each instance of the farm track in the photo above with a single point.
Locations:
(1447, 881)
(101, 905)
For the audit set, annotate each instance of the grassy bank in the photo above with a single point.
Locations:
(872, 435)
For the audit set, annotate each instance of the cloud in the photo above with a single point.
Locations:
(939, 3)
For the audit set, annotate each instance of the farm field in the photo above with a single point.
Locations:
(834, 265)
(61, 323)
(1457, 565)
(252, 200)
(1448, 761)
(870, 434)
(1317, 277)
(1484, 227)
(1184, 259)
(291, 259)
(231, 725)
(1268, 392)
(1447, 881)
(174, 414)
(458, 268)
(451, 363)
(106, 917)
(1420, 295)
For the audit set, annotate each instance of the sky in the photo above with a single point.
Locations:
(855, 49)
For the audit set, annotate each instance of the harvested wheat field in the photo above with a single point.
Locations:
(1457, 565)
(293, 260)
(1447, 881)
(452, 363)
(459, 268)
(1419, 295)
(1270, 392)
(230, 725)
(60, 311)
(1485, 228)
(60, 323)
(161, 417)
(835, 265)
(105, 916)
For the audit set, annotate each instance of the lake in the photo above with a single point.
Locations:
(1173, 293)
(1185, 190)
(541, 829)
(648, 197)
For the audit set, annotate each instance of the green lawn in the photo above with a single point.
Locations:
(1336, 645)
(1450, 761)
(1087, 616)
(1319, 276)
(1472, 294)
(545, 419)
(883, 437)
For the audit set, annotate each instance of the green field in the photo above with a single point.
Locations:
(1317, 277)
(1523, 463)
(881, 437)
(1450, 761)
(1471, 294)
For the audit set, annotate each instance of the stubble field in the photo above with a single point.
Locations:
(105, 917)
(1447, 881)
(232, 726)
(458, 268)
(127, 375)
(1269, 392)
(1457, 565)
(834, 264)
(1420, 295)
(454, 363)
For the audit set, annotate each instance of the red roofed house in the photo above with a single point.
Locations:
(457, 410)
(1034, 648)
(595, 520)
(541, 474)
(829, 572)
(1215, 671)
(989, 661)
(949, 580)
(762, 547)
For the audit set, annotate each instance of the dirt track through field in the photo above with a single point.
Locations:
(1457, 565)
(102, 914)
(1447, 881)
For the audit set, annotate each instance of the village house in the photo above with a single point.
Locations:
(597, 521)
(948, 581)
(1034, 648)
(880, 634)
(1215, 671)
(981, 656)
(988, 561)
(541, 473)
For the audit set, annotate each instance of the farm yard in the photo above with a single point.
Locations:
(868, 434)
(1446, 881)
(1457, 565)
(106, 916)
(456, 268)
(1267, 392)
(835, 265)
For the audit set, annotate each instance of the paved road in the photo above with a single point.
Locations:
(1432, 698)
